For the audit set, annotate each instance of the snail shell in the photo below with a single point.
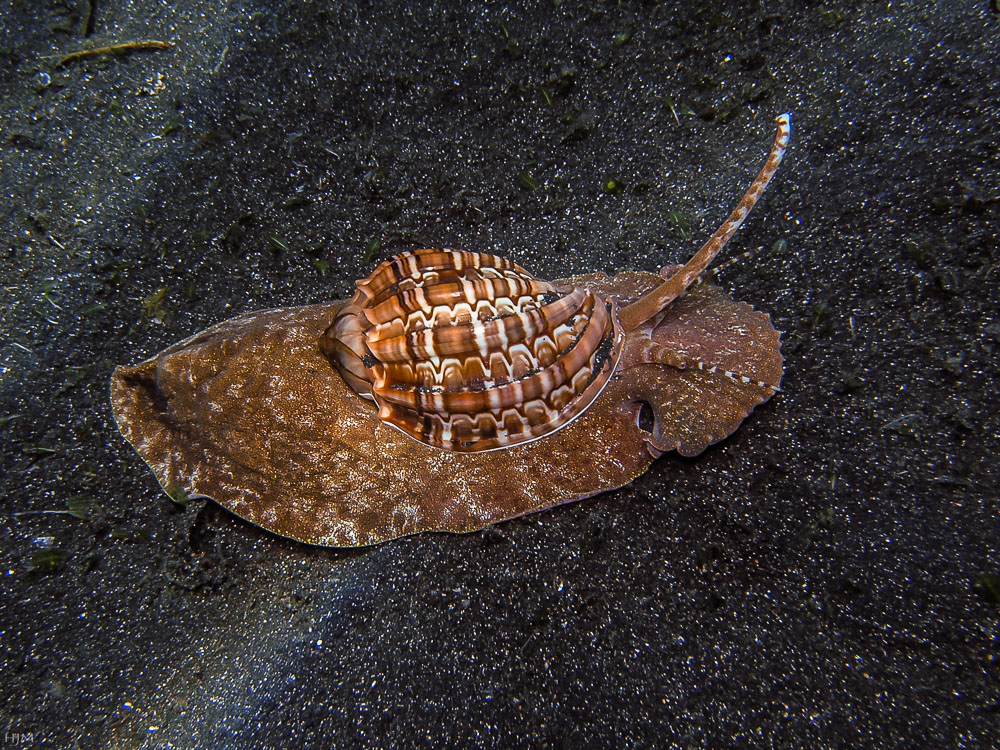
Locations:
(469, 352)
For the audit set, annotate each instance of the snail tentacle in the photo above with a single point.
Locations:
(657, 299)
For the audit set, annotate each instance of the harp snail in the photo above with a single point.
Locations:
(469, 352)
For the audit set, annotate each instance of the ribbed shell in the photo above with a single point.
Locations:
(470, 352)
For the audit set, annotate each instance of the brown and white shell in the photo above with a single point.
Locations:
(470, 352)
(495, 393)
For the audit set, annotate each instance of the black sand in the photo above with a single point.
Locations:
(827, 577)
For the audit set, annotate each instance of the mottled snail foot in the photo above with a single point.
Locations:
(669, 270)
(251, 414)
(740, 361)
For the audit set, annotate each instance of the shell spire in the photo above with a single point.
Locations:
(469, 352)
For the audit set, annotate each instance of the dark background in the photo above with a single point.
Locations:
(827, 577)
